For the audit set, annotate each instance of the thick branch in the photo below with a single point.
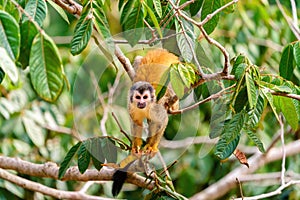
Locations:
(228, 182)
(50, 170)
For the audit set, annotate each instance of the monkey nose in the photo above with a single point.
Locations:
(141, 105)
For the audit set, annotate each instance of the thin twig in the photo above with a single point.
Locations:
(121, 130)
(240, 187)
(211, 97)
(283, 151)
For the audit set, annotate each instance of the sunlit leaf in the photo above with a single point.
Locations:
(176, 82)
(157, 7)
(153, 19)
(7, 66)
(289, 111)
(68, 160)
(46, 70)
(9, 35)
(286, 65)
(34, 131)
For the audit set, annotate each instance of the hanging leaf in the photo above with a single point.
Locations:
(46, 70)
(208, 8)
(286, 65)
(225, 149)
(241, 100)
(255, 115)
(157, 7)
(84, 156)
(289, 111)
(60, 11)
(82, 33)
(269, 97)
(7, 66)
(68, 160)
(132, 21)
(186, 39)
(256, 140)
(233, 128)
(37, 9)
(96, 153)
(251, 90)
(296, 48)
(9, 35)
(153, 19)
(34, 131)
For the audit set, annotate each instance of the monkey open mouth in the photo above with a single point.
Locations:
(141, 105)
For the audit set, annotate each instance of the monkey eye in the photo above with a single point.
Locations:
(145, 97)
(138, 97)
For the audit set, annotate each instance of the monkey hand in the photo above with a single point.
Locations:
(150, 150)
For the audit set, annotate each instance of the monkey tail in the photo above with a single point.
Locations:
(119, 178)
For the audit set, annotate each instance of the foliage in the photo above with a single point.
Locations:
(39, 79)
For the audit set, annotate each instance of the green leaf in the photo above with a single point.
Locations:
(9, 35)
(37, 9)
(163, 85)
(256, 140)
(184, 75)
(102, 25)
(176, 83)
(286, 65)
(251, 91)
(28, 32)
(195, 7)
(289, 111)
(225, 149)
(46, 70)
(269, 97)
(240, 71)
(208, 8)
(233, 128)
(84, 156)
(157, 7)
(296, 48)
(82, 33)
(7, 66)
(109, 150)
(133, 22)
(241, 100)
(68, 160)
(60, 11)
(186, 39)
(254, 115)
(96, 153)
(34, 131)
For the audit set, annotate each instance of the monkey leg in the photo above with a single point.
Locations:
(137, 131)
(157, 124)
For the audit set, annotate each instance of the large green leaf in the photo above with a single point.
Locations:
(109, 150)
(296, 48)
(208, 8)
(195, 7)
(60, 11)
(186, 39)
(83, 32)
(289, 111)
(269, 98)
(28, 32)
(37, 9)
(286, 65)
(68, 160)
(176, 82)
(96, 152)
(133, 22)
(46, 70)
(233, 128)
(8, 66)
(9, 35)
(84, 156)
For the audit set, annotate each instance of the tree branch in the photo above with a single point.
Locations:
(50, 170)
(228, 182)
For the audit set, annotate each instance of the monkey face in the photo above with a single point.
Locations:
(142, 100)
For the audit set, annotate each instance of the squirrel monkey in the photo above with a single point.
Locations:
(142, 99)
(142, 105)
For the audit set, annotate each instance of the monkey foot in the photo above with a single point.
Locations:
(136, 151)
(149, 150)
